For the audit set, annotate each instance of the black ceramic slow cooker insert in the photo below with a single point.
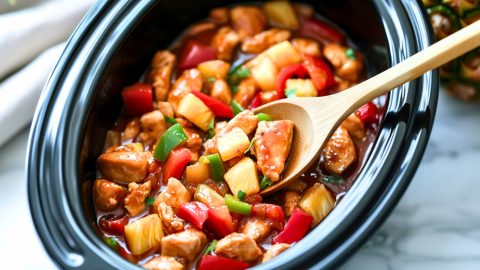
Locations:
(111, 48)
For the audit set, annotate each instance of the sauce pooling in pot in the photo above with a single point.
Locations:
(178, 183)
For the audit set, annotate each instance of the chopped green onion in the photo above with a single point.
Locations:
(170, 120)
(211, 129)
(149, 201)
(291, 92)
(350, 53)
(236, 107)
(217, 167)
(111, 242)
(237, 74)
(211, 247)
(172, 138)
(264, 117)
(241, 195)
(249, 146)
(265, 182)
(236, 206)
(334, 179)
(211, 79)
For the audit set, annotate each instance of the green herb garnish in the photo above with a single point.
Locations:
(149, 201)
(211, 129)
(236, 107)
(111, 242)
(291, 92)
(237, 74)
(241, 195)
(333, 179)
(350, 53)
(249, 146)
(211, 247)
(265, 182)
(234, 89)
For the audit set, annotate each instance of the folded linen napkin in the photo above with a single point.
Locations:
(24, 34)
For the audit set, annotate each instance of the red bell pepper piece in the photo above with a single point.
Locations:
(320, 31)
(138, 99)
(269, 211)
(194, 212)
(195, 53)
(176, 163)
(220, 222)
(113, 225)
(210, 262)
(288, 72)
(367, 113)
(296, 227)
(256, 102)
(216, 106)
(320, 72)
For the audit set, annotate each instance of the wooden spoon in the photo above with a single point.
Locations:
(316, 118)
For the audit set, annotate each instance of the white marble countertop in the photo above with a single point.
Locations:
(436, 225)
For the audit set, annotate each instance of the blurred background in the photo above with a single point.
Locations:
(436, 225)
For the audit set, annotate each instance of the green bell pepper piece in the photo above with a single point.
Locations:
(217, 167)
(172, 138)
(236, 206)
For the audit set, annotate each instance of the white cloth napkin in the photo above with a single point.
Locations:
(31, 41)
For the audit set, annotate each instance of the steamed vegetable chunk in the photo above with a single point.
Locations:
(144, 234)
(184, 179)
(272, 145)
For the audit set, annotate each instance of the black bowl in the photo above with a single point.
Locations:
(111, 48)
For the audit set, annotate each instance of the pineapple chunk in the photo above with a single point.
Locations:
(197, 173)
(214, 68)
(208, 196)
(264, 72)
(318, 202)
(281, 13)
(144, 234)
(195, 111)
(303, 87)
(233, 144)
(283, 54)
(243, 177)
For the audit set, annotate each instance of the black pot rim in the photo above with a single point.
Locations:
(57, 129)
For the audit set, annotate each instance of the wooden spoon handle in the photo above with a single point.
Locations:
(432, 57)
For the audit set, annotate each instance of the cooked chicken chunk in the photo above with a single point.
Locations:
(272, 145)
(263, 40)
(161, 70)
(274, 251)
(163, 263)
(248, 20)
(256, 228)
(193, 142)
(346, 67)
(174, 195)
(123, 166)
(166, 109)
(153, 125)
(246, 91)
(221, 91)
(225, 41)
(245, 120)
(186, 244)
(219, 15)
(354, 126)
(131, 130)
(291, 199)
(339, 152)
(191, 79)
(135, 200)
(198, 28)
(107, 195)
(171, 223)
(238, 246)
(307, 46)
